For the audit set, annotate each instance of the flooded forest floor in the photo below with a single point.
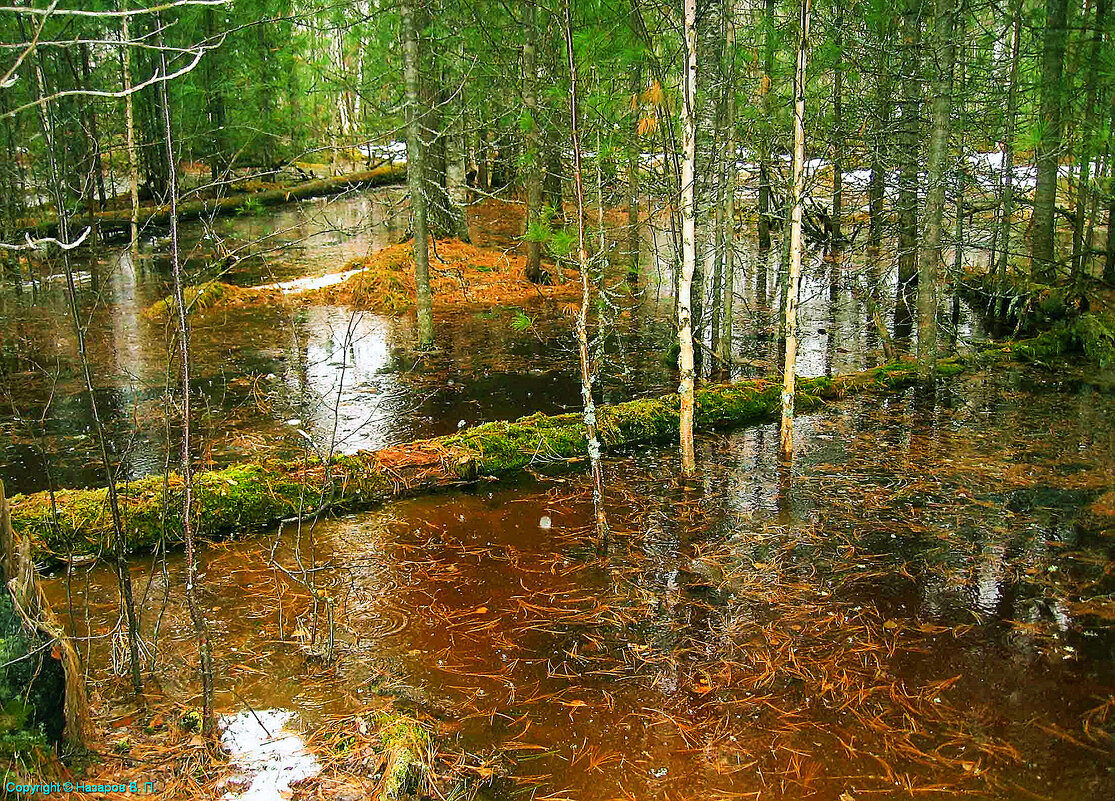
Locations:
(921, 606)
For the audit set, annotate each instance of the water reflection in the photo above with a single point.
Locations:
(912, 605)
(257, 368)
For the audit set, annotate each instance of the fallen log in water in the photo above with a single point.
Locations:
(255, 495)
(229, 204)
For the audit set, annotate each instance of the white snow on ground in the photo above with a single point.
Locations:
(269, 757)
(391, 152)
(311, 282)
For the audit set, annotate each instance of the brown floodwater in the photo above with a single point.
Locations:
(921, 606)
(269, 377)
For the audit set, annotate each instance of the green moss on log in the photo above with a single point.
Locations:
(256, 495)
(231, 204)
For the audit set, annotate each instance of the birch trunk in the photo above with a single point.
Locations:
(688, 241)
(786, 429)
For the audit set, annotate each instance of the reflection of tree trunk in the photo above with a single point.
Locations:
(786, 429)
(870, 299)
(1042, 224)
(929, 256)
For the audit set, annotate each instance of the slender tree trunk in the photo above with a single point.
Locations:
(633, 154)
(1084, 162)
(94, 137)
(729, 212)
(909, 134)
(197, 616)
(533, 140)
(1042, 224)
(786, 429)
(929, 256)
(766, 134)
(1109, 255)
(57, 188)
(876, 188)
(416, 179)
(1006, 211)
(215, 102)
(129, 123)
(838, 126)
(688, 240)
(589, 407)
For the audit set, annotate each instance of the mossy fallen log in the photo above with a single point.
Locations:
(230, 204)
(256, 495)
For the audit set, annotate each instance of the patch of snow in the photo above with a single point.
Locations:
(268, 755)
(391, 152)
(311, 282)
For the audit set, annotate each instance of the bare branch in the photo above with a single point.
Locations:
(134, 12)
(37, 244)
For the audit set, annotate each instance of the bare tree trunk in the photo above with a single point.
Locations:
(929, 256)
(729, 211)
(589, 407)
(1109, 255)
(201, 632)
(416, 179)
(786, 429)
(94, 138)
(909, 135)
(1006, 211)
(133, 161)
(633, 154)
(688, 241)
(876, 188)
(58, 190)
(1084, 163)
(21, 580)
(1042, 224)
(766, 136)
(838, 126)
(532, 141)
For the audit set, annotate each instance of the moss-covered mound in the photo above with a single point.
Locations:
(198, 298)
(32, 686)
